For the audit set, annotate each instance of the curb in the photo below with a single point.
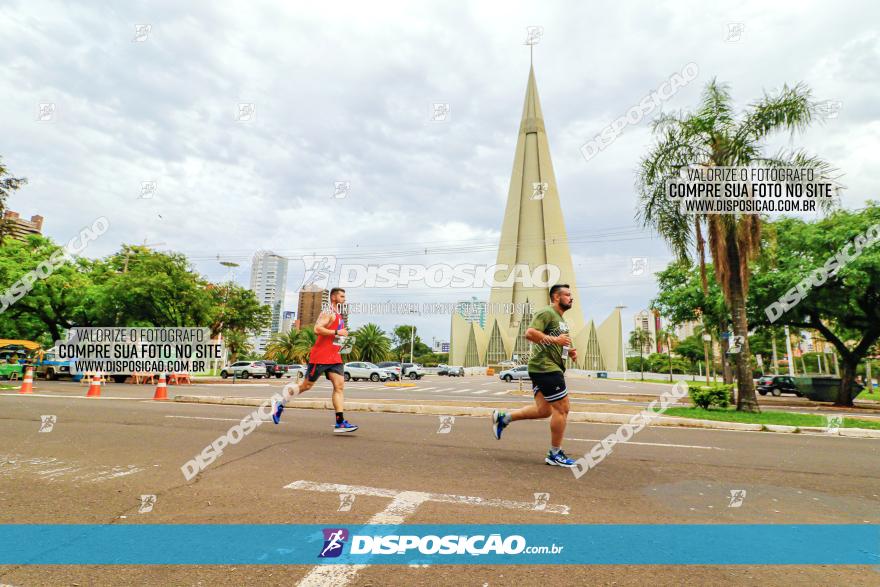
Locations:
(593, 417)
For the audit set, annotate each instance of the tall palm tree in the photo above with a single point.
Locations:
(371, 344)
(713, 136)
(639, 339)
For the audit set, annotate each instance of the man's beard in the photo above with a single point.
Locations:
(565, 306)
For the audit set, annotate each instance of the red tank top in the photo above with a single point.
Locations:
(325, 352)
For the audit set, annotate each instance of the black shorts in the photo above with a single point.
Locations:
(315, 370)
(551, 385)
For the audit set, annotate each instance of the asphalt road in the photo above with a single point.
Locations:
(599, 395)
(102, 455)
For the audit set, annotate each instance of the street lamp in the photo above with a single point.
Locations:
(619, 308)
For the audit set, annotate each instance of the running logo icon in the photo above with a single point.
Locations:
(334, 540)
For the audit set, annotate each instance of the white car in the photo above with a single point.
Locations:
(295, 371)
(521, 372)
(244, 369)
(355, 371)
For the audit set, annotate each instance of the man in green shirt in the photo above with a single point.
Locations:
(551, 345)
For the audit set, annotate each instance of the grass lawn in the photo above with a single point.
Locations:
(873, 395)
(783, 418)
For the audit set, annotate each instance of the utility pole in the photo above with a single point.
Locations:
(412, 337)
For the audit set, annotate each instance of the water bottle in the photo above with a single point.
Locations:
(565, 352)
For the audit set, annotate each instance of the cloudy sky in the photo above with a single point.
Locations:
(344, 91)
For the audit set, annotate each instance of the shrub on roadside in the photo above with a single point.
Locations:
(710, 396)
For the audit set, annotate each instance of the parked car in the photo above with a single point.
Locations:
(413, 371)
(244, 369)
(355, 371)
(273, 369)
(455, 371)
(778, 385)
(508, 364)
(521, 372)
(294, 371)
(48, 366)
(392, 368)
(442, 369)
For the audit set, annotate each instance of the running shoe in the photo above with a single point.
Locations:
(276, 413)
(559, 460)
(343, 427)
(498, 424)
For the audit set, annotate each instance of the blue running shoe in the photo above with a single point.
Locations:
(559, 460)
(498, 423)
(276, 413)
(343, 427)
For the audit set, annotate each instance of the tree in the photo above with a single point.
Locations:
(371, 344)
(236, 308)
(844, 307)
(712, 136)
(52, 303)
(669, 336)
(639, 339)
(8, 184)
(237, 344)
(401, 342)
(282, 347)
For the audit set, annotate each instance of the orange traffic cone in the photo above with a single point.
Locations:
(27, 384)
(95, 387)
(161, 388)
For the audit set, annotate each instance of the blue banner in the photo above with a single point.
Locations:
(561, 544)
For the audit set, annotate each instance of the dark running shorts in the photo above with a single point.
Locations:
(551, 385)
(315, 370)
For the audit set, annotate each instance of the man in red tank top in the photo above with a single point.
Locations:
(324, 358)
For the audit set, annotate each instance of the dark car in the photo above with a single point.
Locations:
(273, 369)
(778, 385)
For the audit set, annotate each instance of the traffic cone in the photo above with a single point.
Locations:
(161, 388)
(27, 384)
(95, 387)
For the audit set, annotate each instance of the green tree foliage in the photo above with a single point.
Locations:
(715, 135)
(845, 309)
(371, 344)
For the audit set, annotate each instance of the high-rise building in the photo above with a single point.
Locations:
(19, 228)
(288, 321)
(472, 310)
(533, 234)
(649, 322)
(312, 299)
(269, 283)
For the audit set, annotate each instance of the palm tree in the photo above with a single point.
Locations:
(305, 340)
(639, 339)
(669, 336)
(282, 346)
(713, 136)
(371, 344)
(237, 343)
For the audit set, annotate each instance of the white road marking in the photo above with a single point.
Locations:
(481, 392)
(500, 393)
(654, 444)
(460, 390)
(403, 504)
(206, 418)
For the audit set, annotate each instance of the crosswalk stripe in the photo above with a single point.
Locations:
(425, 388)
(459, 390)
(482, 391)
(500, 393)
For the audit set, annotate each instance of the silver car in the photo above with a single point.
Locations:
(355, 371)
(244, 369)
(521, 372)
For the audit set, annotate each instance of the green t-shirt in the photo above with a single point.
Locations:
(547, 358)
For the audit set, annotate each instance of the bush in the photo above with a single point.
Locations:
(707, 397)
